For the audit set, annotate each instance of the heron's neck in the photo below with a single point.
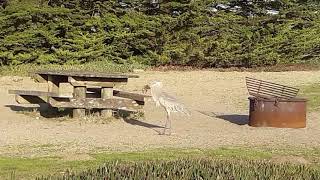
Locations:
(156, 90)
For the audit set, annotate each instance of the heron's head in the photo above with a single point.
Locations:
(152, 84)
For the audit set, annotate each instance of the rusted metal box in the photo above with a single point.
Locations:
(282, 113)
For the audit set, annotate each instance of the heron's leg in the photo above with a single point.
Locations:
(166, 125)
(169, 124)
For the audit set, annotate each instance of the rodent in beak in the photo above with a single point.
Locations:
(145, 89)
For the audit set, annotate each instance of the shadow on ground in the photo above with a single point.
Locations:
(51, 112)
(134, 120)
(140, 123)
(238, 119)
(44, 110)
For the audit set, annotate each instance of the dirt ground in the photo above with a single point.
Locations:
(218, 102)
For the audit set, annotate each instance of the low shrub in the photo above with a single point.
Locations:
(196, 169)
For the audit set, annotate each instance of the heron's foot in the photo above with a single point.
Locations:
(163, 132)
(167, 134)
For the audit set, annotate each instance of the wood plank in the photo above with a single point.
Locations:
(106, 93)
(22, 99)
(39, 78)
(96, 82)
(130, 95)
(53, 84)
(33, 93)
(85, 74)
(35, 97)
(120, 93)
(79, 92)
(95, 103)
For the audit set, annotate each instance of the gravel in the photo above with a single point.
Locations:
(207, 94)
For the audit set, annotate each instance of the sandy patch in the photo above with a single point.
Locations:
(218, 101)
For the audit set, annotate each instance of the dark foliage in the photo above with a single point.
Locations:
(200, 33)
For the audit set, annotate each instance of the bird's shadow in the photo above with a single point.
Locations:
(128, 118)
(135, 122)
(238, 119)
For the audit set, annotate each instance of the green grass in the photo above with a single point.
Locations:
(98, 66)
(29, 168)
(105, 66)
(198, 168)
(312, 94)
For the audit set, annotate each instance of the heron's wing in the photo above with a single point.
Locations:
(168, 97)
(171, 103)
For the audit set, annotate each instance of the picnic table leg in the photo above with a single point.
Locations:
(106, 93)
(53, 84)
(79, 92)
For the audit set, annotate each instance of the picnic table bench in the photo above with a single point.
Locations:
(91, 90)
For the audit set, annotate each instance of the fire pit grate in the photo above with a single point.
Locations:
(269, 90)
(275, 105)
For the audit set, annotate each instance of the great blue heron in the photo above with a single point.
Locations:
(169, 103)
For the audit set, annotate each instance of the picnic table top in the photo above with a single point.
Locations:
(85, 74)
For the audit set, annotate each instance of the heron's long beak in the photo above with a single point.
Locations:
(145, 89)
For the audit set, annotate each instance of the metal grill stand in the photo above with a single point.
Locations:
(275, 105)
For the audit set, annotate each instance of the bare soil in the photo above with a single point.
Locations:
(218, 102)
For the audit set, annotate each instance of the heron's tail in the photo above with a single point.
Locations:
(187, 112)
(184, 110)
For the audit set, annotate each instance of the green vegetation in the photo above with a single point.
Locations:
(197, 169)
(35, 167)
(98, 66)
(181, 32)
(312, 93)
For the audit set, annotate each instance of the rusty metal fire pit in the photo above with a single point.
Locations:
(275, 105)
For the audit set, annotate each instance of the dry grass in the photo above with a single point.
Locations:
(276, 68)
(99, 66)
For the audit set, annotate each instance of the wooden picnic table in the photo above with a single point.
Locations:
(91, 90)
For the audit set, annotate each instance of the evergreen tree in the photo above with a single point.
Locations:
(202, 33)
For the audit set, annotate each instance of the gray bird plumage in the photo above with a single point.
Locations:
(168, 102)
